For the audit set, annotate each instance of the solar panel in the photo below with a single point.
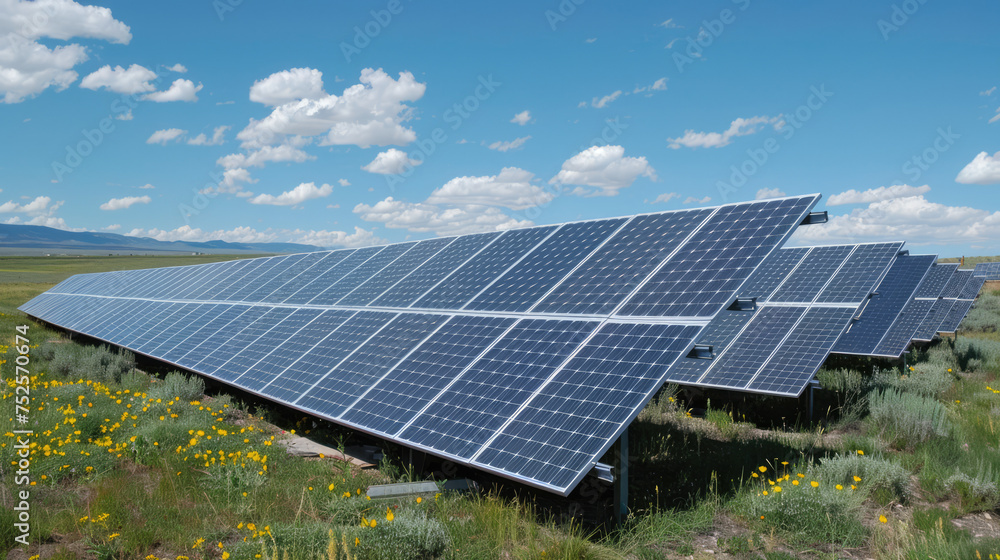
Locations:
(777, 348)
(812, 274)
(509, 351)
(954, 318)
(972, 287)
(715, 262)
(988, 270)
(931, 324)
(880, 312)
(904, 329)
(612, 273)
(954, 287)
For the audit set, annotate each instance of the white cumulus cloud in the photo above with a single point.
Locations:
(770, 193)
(218, 137)
(166, 135)
(180, 90)
(288, 86)
(603, 167)
(28, 67)
(365, 114)
(602, 102)
(179, 68)
(125, 202)
(739, 127)
(391, 162)
(511, 188)
(913, 219)
(298, 195)
(664, 198)
(511, 145)
(522, 118)
(423, 217)
(984, 169)
(134, 79)
(874, 195)
(694, 200)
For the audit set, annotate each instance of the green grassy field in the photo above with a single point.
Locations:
(133, 462)
(52, 270)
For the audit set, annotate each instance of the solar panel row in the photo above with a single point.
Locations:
(524, 353)
(806, 299)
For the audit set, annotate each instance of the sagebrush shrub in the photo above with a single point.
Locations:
(906, 419)
(180, 386)
(412, 535)
(876, 474)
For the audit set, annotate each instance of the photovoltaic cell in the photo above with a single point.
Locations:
(324, 265)
(248, 336)
(462, 285)
(936, 280)
(313, 366)
(796, 361)
(972, 287)
(931, 323)
(411, 385)
(954, 318)
(619, 368)
(522, 286)
(330, 276)
(288, 352)
(369, 363)
(711, 266)
(720, 333)
(246, 360)
(768, 276)
(878, 315)
(738, 366)
(988, 270)
(812, 274)
(364, 271)
(476, 405)
(903, 329)
(388, 276)
(433, 271)
(954, 287)
(853, 283)
(292, 267)
(607, 277)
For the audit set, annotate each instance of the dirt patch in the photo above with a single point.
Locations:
(76, 549)
(983, 525)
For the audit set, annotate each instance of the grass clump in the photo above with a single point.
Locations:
(180, 386)
(978, 492)
(884, 479)
(97, 363)
(409, 536)
(821, 513)
(906, 419)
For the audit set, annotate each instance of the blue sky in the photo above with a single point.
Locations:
(347, 124)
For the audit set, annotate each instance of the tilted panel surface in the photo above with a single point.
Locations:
(607, 277)
(522, 286)
(710, 268)
(882, 309)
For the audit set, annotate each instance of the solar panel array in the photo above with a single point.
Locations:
(962, 294)
(805, 299)
(988, 270)
(870, 334)
(524, 353)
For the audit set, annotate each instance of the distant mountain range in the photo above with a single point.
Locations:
(24, 240)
